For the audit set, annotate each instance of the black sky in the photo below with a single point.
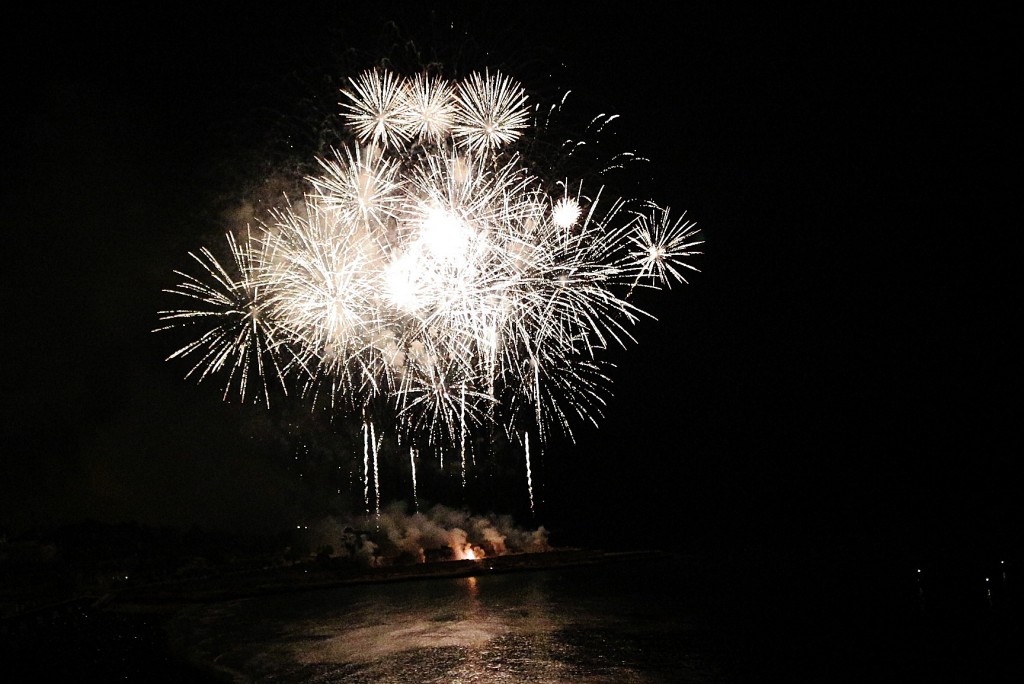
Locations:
(843, 367)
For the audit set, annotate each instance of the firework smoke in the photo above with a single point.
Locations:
(439, 532)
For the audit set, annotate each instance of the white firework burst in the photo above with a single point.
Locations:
(321, 292)
(663, 247)
(428, 273)
(377, 110)
(429, 107)
(240, 333)
(566, 212)
(361, 185)
(491, 112)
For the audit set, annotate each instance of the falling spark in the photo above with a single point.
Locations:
(376, 472)
(366, 467)
(412, 466)
(529, 473)
(462, 434)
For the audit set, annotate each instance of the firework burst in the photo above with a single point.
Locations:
(429, 279)
(492, 112)
(429, 107)
(239, 336)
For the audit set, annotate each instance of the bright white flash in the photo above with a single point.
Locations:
(444, 235)
(401, 287)
(565, 212)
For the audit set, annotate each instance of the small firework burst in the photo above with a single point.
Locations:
(240, 335)
(377, 111)
(492, 112)
(429, 107)
(663, 246)
(566, 212)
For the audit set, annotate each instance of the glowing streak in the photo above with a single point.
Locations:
(366, 468)
(529, 473)
(462, 433)
(412, 465)
(376, 472)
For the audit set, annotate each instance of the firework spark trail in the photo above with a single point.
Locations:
(366, 467)
(529, 472)
(412, 468)
(376, 471)
(431, 279)
(462, 435)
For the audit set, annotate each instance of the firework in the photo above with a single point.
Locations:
(429, 108)
(377, 111)
(492, 112)
(662, 247)
(431, 280)
(239, 337)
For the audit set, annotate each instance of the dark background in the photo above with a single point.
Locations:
(842, 371)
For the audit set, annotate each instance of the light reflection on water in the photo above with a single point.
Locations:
(594, 624)
(670, 620)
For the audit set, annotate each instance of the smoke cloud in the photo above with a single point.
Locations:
(439, 533)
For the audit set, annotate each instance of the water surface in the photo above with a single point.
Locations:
(667, 620)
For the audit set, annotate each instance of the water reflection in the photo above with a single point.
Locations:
(530, 627)
(650, 622)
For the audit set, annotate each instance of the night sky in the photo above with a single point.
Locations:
(842, 370)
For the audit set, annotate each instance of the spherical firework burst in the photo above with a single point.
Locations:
(430, 278)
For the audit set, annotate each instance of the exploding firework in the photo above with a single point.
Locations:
(431, 281)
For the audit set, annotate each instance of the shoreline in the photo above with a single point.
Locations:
(313, 576)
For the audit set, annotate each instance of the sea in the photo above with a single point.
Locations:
(673, 618)
(740, 617)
